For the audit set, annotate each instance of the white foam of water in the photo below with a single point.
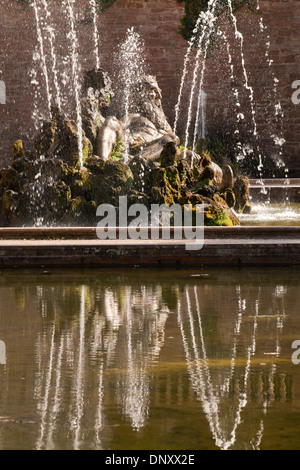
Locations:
(278, 214)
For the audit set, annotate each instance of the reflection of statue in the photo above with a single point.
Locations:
(2, 353)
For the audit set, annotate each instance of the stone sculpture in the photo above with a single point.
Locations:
(49, 186)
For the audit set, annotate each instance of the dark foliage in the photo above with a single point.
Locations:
(194, 7)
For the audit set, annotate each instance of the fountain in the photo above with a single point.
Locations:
(118, 135)
(131, 68)
(118, 142)
(283, 191)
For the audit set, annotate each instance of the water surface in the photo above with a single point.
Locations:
(148, 359)
(272, 214)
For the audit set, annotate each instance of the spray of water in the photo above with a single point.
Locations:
(131, 65)
(187, 60)
(207, 21)
(243, 150)
(51, 37)
(42, 53)
(95, 32)
(240, 37)
(69, 6)
(210, 25)
(278, 138)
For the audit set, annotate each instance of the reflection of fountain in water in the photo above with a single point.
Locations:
(78, 383)
(136, 397)
(120, 334)
(214, 386)
(133, 317)
(2, 352)
(144, 324)
(44, 403)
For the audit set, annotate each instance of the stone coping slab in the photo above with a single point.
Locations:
(223, 246)
(81, 233)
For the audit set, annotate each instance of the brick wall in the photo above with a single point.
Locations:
(157, 22)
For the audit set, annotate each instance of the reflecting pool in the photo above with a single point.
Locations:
(148, 359)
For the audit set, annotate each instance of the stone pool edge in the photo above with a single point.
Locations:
(79, 247)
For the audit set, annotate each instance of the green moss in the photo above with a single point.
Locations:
(81, 211)
(162, 196)
(185, 172)
(201, 185)
(105, 4)
(217, 217)
(87, 150)
(9, 200)
(10, 179)
(229, 197)
(172, 175)
(118, 150)
(17, 149)
(168, 155)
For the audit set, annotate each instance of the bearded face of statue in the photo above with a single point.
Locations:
(153, 92)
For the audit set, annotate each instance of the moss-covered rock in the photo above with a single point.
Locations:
(59, 139)
(44, 142)
(168, 155)
(142, 173)
(185, 173)
(10, 179)
(19, 164)
(113, 180)
(81, 211)
(52, 185)
(17, 149)
(229, 197)
(66, 144)
(217, 216)
(241, 192)
(10, 201)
